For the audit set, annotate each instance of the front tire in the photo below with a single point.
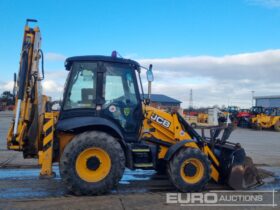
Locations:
(277, 126)
(92, 163)
(257, 126)
(189, 170)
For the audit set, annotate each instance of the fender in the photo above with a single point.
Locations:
(80, 122)
(174, 148)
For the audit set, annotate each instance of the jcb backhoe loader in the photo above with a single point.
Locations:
(104, 125)
(270, 119)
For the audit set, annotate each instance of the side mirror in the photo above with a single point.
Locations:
(149, 73)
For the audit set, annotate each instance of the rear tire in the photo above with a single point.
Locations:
(277, 126)
(189, 170)
(92, 163)
(257, 126)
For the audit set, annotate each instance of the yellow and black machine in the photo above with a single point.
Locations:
(270, 119)
(104, 125)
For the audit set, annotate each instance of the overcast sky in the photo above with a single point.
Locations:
(221, 49)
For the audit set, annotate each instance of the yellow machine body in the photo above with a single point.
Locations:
(91, 154)
(172, 133)
(266, 121)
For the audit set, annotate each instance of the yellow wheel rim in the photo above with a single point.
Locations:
(93, 164)
(192, 170)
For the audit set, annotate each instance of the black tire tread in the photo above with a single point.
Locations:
(174, 165)
(85, 140)
(277, 126)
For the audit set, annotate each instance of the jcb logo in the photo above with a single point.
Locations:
(160, 120)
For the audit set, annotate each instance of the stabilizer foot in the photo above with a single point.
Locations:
(47, 176)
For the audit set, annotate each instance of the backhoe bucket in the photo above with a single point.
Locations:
(244, 176)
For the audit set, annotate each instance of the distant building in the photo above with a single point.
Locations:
(164, 102)
(268, 101)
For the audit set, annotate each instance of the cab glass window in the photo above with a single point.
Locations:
(81, 91)
(119, 85)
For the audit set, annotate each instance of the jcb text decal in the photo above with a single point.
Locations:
(160, 120)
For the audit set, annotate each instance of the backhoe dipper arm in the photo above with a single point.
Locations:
(26, 126)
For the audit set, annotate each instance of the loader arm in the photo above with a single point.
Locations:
(169, 129)
(228, 162)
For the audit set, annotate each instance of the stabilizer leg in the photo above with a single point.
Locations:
(46, 155)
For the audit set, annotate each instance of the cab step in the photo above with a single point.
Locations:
(142, 156)
(141, 150)
(143, 165)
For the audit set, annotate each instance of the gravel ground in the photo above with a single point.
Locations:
(22, 189)
(10, 158)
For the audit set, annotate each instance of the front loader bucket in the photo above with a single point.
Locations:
(244, 176)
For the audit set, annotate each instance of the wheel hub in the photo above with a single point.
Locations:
(190, 169)
(93, 163)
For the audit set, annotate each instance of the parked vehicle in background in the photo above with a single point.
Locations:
(270, 119)
(212, 118)
(243, 117)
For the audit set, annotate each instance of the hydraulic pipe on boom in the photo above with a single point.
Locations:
(24, 133)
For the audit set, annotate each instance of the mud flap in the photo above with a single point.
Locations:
(244, 176)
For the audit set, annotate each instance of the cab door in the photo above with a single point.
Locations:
(122, 100)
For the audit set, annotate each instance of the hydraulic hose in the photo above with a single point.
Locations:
(22, 75)
(42, 63)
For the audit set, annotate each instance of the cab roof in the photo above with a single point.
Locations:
(70, 60)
